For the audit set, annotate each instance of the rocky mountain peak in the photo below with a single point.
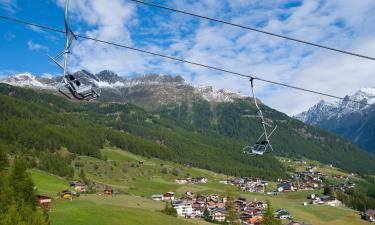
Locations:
(160, 79)
(345, 117)
(109, 76)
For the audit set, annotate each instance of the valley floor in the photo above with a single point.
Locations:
(137, 183)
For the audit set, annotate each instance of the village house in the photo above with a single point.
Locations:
(198, 208)
(285, 187)
(256, 220)
(157, 197)
(244, 215)
(183, 208)
(78, 186)
(370, 215)
(169, 196)
(218, 214)
(66, 194)
(194, 180)
(108, 192)
(44, 202)
(183, 181)
(282, 214)
(248, 184)
(324, 200)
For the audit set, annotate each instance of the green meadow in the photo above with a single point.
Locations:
(137, 182)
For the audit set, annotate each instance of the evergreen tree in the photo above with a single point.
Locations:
(21, 185)
(3, 159)
(268, 218)
(169, 210)
(82, 175)
(17, 197)
(327, 190)
(232, 216)
(206, 214)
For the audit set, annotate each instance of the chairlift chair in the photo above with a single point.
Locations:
(72, 87)
(263, 142)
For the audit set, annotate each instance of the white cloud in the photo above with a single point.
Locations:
(9, 5)
(36, 47)
(335, 22)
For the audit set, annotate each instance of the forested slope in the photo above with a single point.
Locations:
(41, 124)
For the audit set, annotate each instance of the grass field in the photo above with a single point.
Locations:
(138, 182)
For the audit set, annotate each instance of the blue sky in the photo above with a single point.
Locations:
(331, 22)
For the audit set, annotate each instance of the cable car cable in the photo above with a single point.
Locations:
(184, 61)
(255, 30)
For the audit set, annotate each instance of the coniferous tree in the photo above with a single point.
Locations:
(3, 159)
(232, 216)
(17, 198)
(82, 175)
(169, 209)
(206, 214)
(20, 184)
(327, 190)
(268, 218)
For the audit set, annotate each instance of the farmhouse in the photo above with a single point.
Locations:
(45, 202)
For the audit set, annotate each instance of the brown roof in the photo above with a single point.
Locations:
(370, 212)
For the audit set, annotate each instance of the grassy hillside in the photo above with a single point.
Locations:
(34, 122)
(131, 208)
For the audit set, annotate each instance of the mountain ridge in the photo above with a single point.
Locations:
(117, 89)
(349, 119)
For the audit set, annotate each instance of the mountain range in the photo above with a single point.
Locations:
(147, 90)
(349, 119)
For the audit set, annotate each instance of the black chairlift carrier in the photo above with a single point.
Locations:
(72, 86)
(263, 142)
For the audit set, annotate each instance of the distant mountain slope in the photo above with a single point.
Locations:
(351, 120)
(150, 91)
(196, 132)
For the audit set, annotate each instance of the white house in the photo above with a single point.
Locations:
(218, 214)
(183, 208)
(182, 181)
(157, 197)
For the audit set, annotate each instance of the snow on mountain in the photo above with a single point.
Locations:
(349, 119)
(217, 95)
(114, 84)
(26, 80)
(324, 111)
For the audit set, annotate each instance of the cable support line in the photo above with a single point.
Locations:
(255, 30)
(181, 60)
